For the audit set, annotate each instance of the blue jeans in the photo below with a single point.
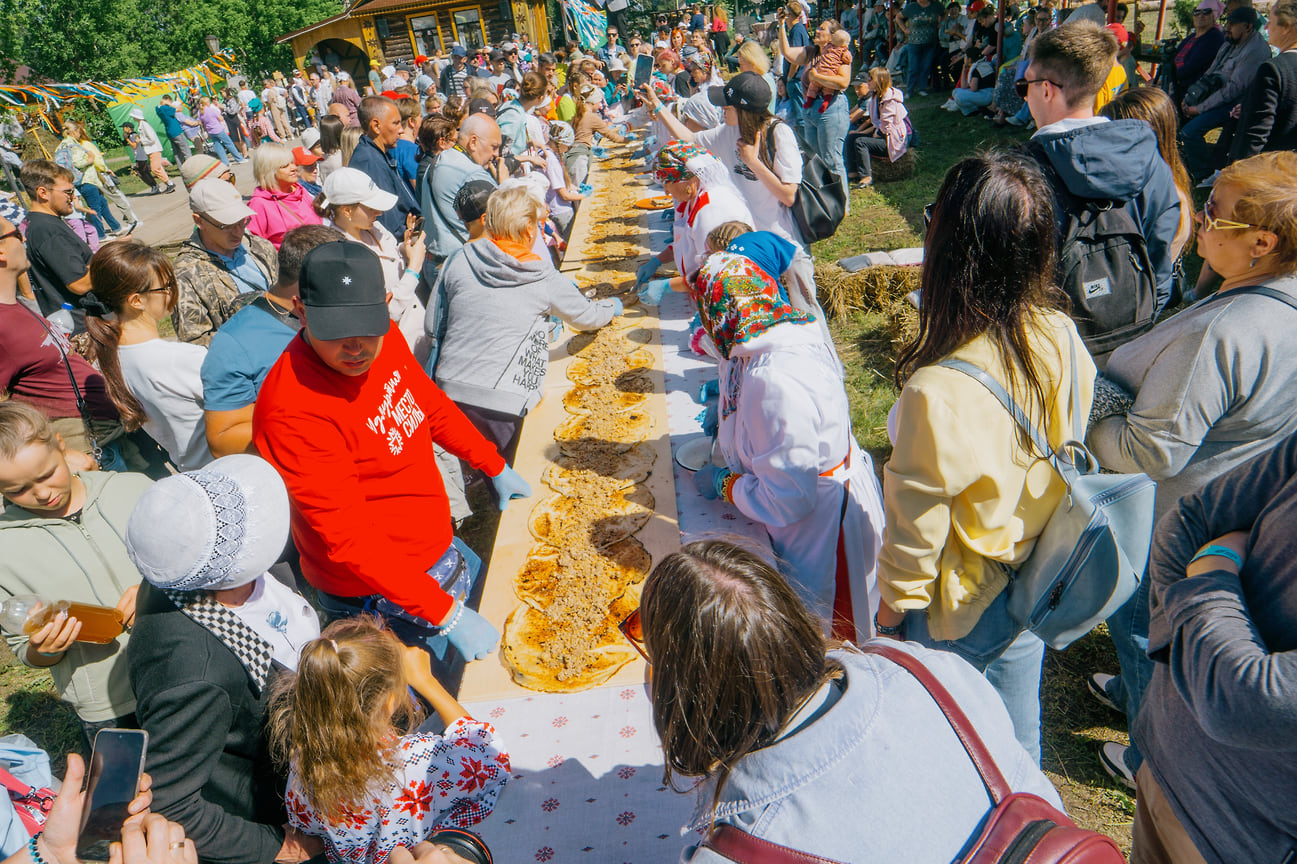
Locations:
(1009, 657)
(96, 201)
(971, 100)
(224, 147)
(303, 115)
(1193, 140)
(796, 113)
(1128, 628)
(919, 67)
(826, 133)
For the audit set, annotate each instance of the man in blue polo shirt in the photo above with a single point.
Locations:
(175, 124)
(249, 343)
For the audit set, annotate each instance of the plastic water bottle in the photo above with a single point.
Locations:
(62, 319)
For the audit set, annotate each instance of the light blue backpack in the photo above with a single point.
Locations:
(1089, 559)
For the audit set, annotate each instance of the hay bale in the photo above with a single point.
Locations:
(871, 289)
(902, 169)
(902, 324)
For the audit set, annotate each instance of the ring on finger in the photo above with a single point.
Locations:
(179, 844)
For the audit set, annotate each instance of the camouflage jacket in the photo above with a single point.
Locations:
(209, 295)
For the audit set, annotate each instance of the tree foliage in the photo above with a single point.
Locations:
(81, 40)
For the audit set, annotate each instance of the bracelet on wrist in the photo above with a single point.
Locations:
(454, 619)
(33, 848)
(410, 271)
(885, 630)
(1222, 551)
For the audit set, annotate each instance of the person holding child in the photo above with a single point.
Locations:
(363, 774)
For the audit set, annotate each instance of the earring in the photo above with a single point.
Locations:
(1252, 264)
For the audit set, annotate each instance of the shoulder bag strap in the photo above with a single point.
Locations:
(1262, 290)
(1066, 471)
(738, 845)
(982, 759)
(96, 452)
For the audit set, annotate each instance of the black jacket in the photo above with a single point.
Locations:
(207, 752)
(1269, 119)
(381, 168)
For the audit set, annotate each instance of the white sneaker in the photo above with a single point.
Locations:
(1112, 756)
(1014, 121)
(950, 105)
(1098, 684)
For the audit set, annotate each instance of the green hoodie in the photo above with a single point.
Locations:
(87, 562)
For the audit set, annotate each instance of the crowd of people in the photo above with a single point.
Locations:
(270, 500)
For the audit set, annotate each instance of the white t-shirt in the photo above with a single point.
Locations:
(165, 377)
(768, 211)
(557, 180)
(246, 96)
(281, 617)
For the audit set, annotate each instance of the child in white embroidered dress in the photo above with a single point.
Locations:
(359, 777)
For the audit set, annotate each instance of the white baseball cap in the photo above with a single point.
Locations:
(219, 200)
(310, 137)
(352, 186)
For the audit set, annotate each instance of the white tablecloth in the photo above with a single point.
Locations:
(587, 767)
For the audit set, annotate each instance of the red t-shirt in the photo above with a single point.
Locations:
(369, 510)
(32, 367)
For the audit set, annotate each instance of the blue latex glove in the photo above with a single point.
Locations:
(647, 270)
(710, 390)
(470, 633)
(668, 214)
(710, 479)
(617, 307)
(696, 322)
(711, 419)
(654, 290)
(509, 485)
(630, 136)
(599, 152)
(585, 188)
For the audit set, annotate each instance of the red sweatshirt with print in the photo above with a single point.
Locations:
(369, 509)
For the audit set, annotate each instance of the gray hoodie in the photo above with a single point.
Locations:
(494, 337)
(1213, 388)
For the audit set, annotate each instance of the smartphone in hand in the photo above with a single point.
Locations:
(112, 782)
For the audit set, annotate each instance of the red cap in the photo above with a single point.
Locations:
(302, 156)
(421, 59)
(394, 96)
(1123, 35)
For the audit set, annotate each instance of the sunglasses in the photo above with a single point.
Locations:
(1211, 223)
(1202, 11)
(1023, 85)
(242, 223)
(15, 232)
(632, 627)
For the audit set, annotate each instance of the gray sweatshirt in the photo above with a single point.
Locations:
(1213, 387)
(495, 346)
(1218, 723)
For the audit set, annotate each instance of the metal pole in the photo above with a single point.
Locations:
(999, 32)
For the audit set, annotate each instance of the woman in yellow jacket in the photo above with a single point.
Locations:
(964, 496)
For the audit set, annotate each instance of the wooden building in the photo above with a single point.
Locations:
(393, 30)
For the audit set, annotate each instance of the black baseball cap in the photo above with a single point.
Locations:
(1242, 15)
(481, 106)
(342, 287)
(745, 90)
(470, 200)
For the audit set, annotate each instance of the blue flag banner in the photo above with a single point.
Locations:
(590, 21)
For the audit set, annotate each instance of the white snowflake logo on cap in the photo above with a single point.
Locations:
(346, 280)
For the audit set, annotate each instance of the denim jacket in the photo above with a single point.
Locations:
(879, 775)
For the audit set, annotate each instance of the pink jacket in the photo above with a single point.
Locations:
(889, 115)
(277, 213)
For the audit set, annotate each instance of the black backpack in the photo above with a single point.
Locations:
(1103, 265)
(821, 197)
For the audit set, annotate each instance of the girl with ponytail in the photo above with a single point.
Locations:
(154, 383)
(363, 774)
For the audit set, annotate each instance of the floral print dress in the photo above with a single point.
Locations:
(441, 781)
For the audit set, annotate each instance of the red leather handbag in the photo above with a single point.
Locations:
(1021, 828)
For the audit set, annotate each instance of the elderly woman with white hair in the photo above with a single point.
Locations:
(492, 322)
(213, 631)
(279, 203)
(705, 197)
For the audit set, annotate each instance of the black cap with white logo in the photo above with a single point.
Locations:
(342, 287)
(745, 90)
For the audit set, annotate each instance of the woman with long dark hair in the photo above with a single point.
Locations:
(965, 494)
(793, 735)
(155, 383)
(330, 145)
(765, 165)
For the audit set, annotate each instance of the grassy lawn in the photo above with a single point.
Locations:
(884, 217)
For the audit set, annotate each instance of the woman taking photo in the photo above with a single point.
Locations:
(965, 495)
(886, 130)
(791, 462)
(797, 732)
(155, 382)
(353, 204)
(279, 203)
(824, 124)
(1208, 389)
(765, 165)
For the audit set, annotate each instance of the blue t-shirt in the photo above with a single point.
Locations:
(407, 160)
(241, 354)
(167, 113)
(798, 37)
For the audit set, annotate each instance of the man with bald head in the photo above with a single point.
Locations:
(380, 123)
(476, 156)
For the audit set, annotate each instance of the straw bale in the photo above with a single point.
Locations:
(870, 289)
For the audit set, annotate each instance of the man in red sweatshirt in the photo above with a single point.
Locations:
(349, 419)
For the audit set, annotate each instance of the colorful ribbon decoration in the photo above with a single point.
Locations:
(49, 97)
